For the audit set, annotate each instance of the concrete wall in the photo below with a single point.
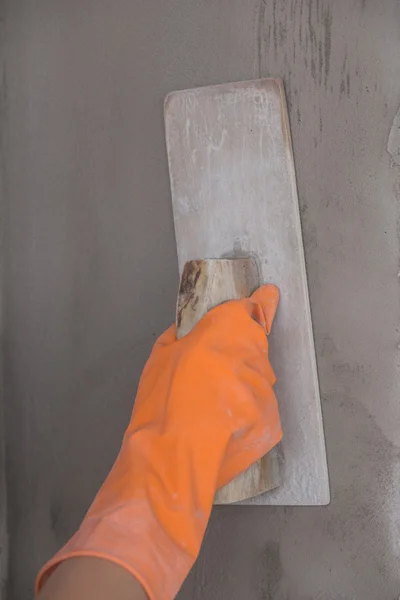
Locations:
(91, 268)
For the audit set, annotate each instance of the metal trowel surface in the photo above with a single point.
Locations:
(234, 195)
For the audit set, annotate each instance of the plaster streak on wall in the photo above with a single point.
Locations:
(393, 146)
(336, 70)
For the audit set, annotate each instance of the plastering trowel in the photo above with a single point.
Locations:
(234, 197)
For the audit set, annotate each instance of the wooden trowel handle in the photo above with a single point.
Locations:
(205, 284)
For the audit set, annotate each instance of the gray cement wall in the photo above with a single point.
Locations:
(92, 273)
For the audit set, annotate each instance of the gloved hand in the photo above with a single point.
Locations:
(204, 412)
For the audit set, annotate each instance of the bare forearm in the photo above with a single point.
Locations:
(87, 578)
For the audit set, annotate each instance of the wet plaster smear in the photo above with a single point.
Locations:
(91, 268)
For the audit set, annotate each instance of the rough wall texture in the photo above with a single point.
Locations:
(92, 274)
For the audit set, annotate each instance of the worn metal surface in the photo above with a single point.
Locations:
(89, 217)
(234, 192)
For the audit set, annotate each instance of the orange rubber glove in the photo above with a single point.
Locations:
(205, 411)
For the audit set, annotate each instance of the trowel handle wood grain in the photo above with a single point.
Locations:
(205, 284)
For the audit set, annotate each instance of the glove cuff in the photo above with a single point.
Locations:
(131, 537)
